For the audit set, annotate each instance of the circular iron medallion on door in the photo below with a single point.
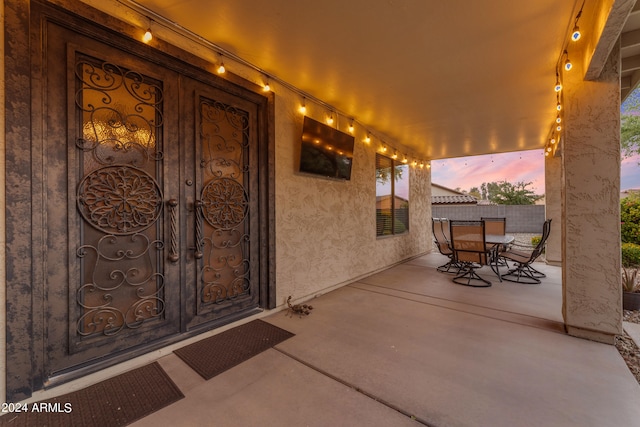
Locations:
(224, 203)
(119, 199)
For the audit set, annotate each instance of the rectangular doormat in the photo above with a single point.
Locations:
(115, 402)
(212, 356)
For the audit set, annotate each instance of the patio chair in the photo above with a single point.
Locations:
(498, 227)
(440, 227)
(470, 251)
(523, 272)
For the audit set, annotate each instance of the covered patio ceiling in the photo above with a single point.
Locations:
(442, 78)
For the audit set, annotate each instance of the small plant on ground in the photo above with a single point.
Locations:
(535, 240)
(630, 220)
(630, 280)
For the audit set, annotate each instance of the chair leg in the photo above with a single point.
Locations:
(497, 263)
(451, 267)
(468, 273)
(535, 273)
(521, 274)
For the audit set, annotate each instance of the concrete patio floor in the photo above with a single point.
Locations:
(406, 346)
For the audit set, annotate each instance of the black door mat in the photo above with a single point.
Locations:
(114, 402)
(216, 354)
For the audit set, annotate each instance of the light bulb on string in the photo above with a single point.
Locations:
(351, 128)
(148, 36)
(575, 33)
(558, 86)
(330, 119)
(266, 87)
(567, 62)
(221, 68)
(558, 119)
(303, 107)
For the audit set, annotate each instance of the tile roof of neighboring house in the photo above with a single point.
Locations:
(463, 199)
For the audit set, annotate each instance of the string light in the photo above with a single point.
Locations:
(567, 62)
(558, 86)
(221, 69)
(575, 33)
(148, 36)
(566, 66)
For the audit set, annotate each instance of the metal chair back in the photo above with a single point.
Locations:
(497, 226)
(440, 228)
(468, 241)
(546, 230)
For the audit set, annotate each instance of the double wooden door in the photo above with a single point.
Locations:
(150, 199)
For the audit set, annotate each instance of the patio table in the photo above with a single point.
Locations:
(499, 239)
(496, 241)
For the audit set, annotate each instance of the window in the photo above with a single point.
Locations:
(392, 196)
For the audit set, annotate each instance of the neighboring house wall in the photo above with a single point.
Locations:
(520, 218)
(439, 190)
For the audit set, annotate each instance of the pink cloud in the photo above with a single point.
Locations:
(526, 166)
(468, 172)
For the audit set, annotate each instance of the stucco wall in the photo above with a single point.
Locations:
(325, 229)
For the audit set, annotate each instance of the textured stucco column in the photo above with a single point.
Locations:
(592, 289)
(553, 208)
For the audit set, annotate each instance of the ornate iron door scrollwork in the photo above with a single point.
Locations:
(120, 199)
(222, 230)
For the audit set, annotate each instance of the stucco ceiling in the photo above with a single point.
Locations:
(444, 78)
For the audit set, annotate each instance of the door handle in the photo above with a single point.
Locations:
(199, 233)
(174, 256)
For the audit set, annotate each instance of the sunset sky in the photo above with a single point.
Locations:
(526, 166)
